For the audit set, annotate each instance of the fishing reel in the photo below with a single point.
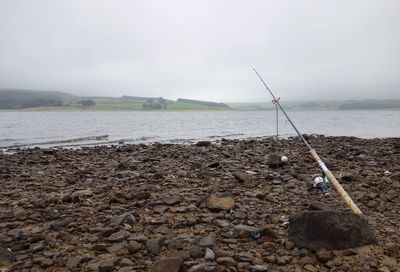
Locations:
(320, 183)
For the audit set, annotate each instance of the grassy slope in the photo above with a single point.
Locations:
(131, 104)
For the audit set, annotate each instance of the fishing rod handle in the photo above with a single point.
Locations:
(335, 183)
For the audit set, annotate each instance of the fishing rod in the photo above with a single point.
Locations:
(314, 154)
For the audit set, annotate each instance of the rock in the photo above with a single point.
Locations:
(289, 245)
(330, 230)
(6, 256)
(226, 261)
(126, 262)
(106, 266)
(310, 268)
(140, 195)
(163, 229)
(319, 206)
(115, 248)
(46, 262)
(214, 164)
(160, 208)
(154, 245)
(372, 204)
(275, 160)
(196, 252)
(383, 269)
(125, 218)
(220, 203)
(61, 223)
(244, 231)
(134, 247)
(221, 223)
(118, 236)
(323, 255)
(203, 267)
(168, 265)
(243, 177)
(73, 262)
(172, 199)
(203, 143)
(82, 193)
(244, 257)
(208, 241)
(209, 256)
(258, 268)
(280, 260)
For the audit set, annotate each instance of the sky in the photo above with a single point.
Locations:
(304, 49)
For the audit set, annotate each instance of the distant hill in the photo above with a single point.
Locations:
(204, 103)
(19, 99)
(321, 105)
(16, 99)
(370, 104)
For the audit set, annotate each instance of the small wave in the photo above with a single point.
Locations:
(226, 135)
(58, 142)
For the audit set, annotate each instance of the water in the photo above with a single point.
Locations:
(79, 128)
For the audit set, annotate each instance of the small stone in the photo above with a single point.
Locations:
(208, 241)
(243, 177)
(323, 255)
(126, 262)
(210, 256)
(243, 266)
(134, 247)
(276, 182)
(289, 245)
(163, 229)
(172, 200)
(270, 259)
(280, 260)
(73, 262)
(46, 262)
(116, 247)
(372, 204)
(222, 223)
(125, 218)
(196, 252)
(240, 215)
(307, 260)
(203, 143)
(61, 223)
(203, 267)
(258, 268)
(154, 245)
(6, 256)
(319, 206)
(275, 160)
(118, 236)
(81, 193)
(174, 264)
(160, 208)
(220, 203)
(244, 257)
(106, 266)
(310, 267)
(226, 261)
(141, 195)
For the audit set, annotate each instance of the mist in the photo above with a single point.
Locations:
(305, 50)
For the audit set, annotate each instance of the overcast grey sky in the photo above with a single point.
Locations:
(203, 49)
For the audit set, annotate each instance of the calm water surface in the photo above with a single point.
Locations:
(72, 128)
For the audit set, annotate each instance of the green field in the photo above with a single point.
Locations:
(130, 104)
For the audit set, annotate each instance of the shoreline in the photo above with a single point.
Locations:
(62, 208)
